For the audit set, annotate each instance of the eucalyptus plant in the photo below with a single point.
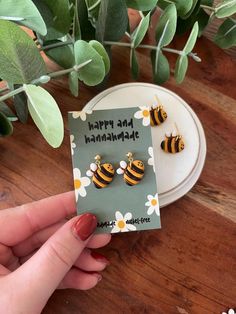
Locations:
(78, 36)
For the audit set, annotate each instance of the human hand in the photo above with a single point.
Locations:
(41, 251)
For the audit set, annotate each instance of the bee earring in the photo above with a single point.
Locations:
(133, 171)
(173, 142)
(102, 174)
(157, 113)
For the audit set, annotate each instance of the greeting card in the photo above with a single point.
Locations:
(104, 142)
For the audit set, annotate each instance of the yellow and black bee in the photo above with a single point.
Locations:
(172, 144)
(133, 172)
(157, 115)
(102, 174)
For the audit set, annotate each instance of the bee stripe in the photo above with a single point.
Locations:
(157, 117)
(138, 170)
(102, 177)
(129, 180)
(106, 172)
(131, 175)
(165, 145)
(173, 142)
(98, 183)
(135, 173)
(153, 120)
(169, 145)
(160, 116)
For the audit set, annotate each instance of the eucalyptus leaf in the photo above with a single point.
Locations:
(192, 39)
(93, 7)
(20, 104)
(27, 11)
(141, 5)
(94, 72)
(181, 68)
(195, 3)
(160, 67)
(166, 26)
(182, 6)
(112, 20)
(61, 20)
(74, 83)
(86, 28)
(134, 64)
(6, 110)
(140, 31)
(20, 59)
(102, 51)
(6, 127)
(63, 55)
(226, 35)
(46, 114)
(225, 8)
(76, 34)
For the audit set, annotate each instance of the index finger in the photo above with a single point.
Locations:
(18, 223)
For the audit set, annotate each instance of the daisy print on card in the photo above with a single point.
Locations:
(125, 202)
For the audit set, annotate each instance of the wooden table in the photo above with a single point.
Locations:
(189, 266)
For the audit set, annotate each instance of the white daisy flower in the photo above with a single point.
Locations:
(80, 183)
(82, 114)
(230, 311)
(121, 224)
(151, 159)
(143, 113)
(72, 144)
(153, 205)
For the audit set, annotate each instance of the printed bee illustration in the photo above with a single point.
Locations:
(133, 172)
(172, 143)
(101, 174)
(157, 115)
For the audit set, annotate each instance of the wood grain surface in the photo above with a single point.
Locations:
(187, 267)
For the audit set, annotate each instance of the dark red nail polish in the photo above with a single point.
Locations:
(85, 226)
(99, 257)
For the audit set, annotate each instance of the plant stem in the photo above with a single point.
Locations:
(45, 78)
(62, 43)
(3, 89)
(207, 7)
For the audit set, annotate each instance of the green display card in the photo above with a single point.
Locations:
(112, 134)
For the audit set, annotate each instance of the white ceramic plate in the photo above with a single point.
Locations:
(176, 173)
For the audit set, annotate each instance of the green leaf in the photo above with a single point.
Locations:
(87, 30)
(103, 53)
(134, 64)
(60, 23)
(7, 111)
(166, 26)
(192, 39)
(20, 104)
(182, 6)
(93, 7)
(195, 3)
(20, 60)
(160, 67)
(74, 83)
(112, 20)
(76, 34)
(63, 55)
(140, 31)
(181, 68)
(141, 5)
(46, 114)
(226, 35)
(94, 72)
(26, 10)
(6, 127)
(225, 8)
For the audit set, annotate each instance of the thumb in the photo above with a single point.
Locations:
(43, 272)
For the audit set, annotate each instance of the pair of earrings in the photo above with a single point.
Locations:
(102, 173)
(173, 142)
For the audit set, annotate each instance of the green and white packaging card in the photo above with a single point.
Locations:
(112, 134)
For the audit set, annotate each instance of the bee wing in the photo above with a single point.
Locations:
(174, 133)
(168, 134)
(155, 106)
(120, 171)
(93, 166)
(89, 173)
(123, 164)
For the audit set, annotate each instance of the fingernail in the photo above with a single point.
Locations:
(85, 226)
(100, 258)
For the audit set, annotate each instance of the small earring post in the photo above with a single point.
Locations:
(98, 160)
(130, 157)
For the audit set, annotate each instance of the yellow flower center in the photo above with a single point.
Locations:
(145, 113)
(77, 184)
(153, 202)
(121, 224)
